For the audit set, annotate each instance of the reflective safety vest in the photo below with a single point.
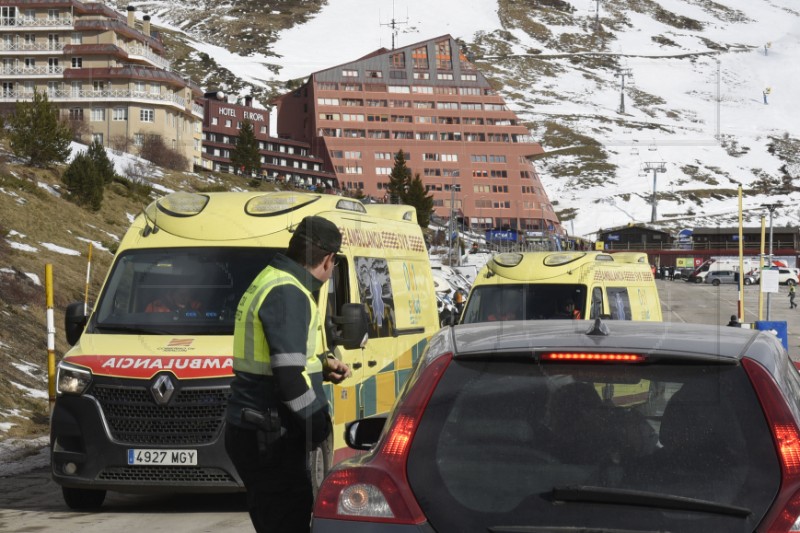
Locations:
(250, 347)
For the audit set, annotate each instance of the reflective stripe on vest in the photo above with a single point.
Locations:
(250, 347)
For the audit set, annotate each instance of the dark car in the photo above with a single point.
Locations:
(573, 427)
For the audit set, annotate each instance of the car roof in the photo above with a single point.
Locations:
(678, 340)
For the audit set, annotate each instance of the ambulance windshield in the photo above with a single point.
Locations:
(524, 301)
(192, 291)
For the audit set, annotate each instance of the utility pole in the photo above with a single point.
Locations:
(393, 24)
(771, 208)
(621, 73)
(656, 167)
(597, 16)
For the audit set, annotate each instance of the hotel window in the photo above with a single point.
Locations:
(406, 156)
(76, 113)
(263, 129)
(377, 118)
(451, 173)
(495, 107)
(426, 136)
(469, 77)
(420, 57)
(97, 138)
(449, 157)
(446, 105)
(376, 103)
(470, 106)
(350, 117)
(402, 118)
(98, 86)
(497, 159)
(351, 86)
(326, 86)
(214, 121)
(378, 134)
(352, 102)
(430, 157)
(423, 105)
(53, 65)
(481, 188)
(354, 170)
(350, 73)
(443, 56)
(426, 120)
(29, 38)
(444, 76)
(138, 139)
(328, 101)
(374, 74)
(473, 121)
(139, 88)
(421, 75)
(119, 113)
(337, 154)
(76, 38)
(431, 172)
(397, 75)
(228, 123)
(98, 114)
(383, 171)
(446, 90)
(399, 89)
(352, 155)
(399, 103)
(75, 88)
(52, 14)
(147, 115)
(353, 133)
(383, 155)
(155, 88)
(398, 60)
(471, 91)
(53, 88)
(499, 174)
(422, 89)
(478, 173)
(329, 116)
(77, 62)
(402, 135)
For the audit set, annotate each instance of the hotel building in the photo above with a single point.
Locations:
(105, 72)
(428, 100)
(283, 160)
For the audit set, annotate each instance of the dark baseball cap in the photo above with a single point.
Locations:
(320, 232)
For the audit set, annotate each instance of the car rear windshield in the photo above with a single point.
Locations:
(506, 444)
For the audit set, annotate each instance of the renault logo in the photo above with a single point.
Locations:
(162, 389)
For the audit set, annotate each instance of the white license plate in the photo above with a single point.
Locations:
(162, 457)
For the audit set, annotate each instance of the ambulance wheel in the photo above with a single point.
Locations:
(83, 499)
(320, 463)
(698, 280)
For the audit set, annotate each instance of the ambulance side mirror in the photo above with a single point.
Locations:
(74, 322)
(353, 325)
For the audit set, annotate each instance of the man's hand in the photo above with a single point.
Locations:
(334, 370)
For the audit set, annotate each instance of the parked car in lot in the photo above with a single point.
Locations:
(788, 276)
(574, 426)
(716, 277)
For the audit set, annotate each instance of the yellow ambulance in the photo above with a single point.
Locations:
(564, 285)
(141, 396)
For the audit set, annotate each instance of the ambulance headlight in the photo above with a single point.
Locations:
(72, 379)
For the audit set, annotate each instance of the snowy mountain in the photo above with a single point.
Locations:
(699, 88)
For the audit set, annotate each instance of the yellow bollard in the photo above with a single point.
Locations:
(51, 336)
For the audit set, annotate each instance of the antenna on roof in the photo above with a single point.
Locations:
(394, 23)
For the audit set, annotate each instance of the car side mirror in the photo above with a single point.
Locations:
(363, 434)
(353, 325)
(74, 322)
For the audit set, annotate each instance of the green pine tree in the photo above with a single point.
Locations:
(399, 179)
(245, 156)
(416, 196)
(102, 163)
(37, 134)
(84, 182)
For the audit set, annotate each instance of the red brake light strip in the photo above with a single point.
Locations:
(593, 357)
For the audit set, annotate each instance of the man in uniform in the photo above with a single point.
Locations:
(277, 412)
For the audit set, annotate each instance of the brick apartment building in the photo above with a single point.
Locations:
(104, 71)
(427, 99)
(281, 159)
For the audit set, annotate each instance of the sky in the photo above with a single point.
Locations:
(687, 86)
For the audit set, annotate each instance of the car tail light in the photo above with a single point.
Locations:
(378, 489)
(593, 357)
(784, 516)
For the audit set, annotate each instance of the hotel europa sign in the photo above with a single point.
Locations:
(252, 116)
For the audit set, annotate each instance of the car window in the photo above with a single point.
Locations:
(498, 437)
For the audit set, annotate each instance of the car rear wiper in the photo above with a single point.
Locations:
(582, 493)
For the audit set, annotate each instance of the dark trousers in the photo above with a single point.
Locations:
(279, 494)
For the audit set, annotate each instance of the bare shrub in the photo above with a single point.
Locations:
(154, 149)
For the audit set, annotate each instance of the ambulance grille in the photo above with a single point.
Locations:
(192, 416)
(170, 475)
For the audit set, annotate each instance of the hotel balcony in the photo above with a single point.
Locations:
(27, 48)
(111, 96)
(61, 23)
(45, 71)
